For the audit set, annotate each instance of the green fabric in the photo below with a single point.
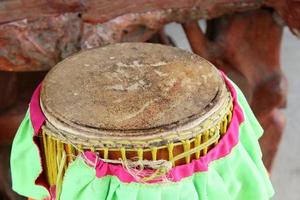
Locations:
(240, 175)
(25, 163)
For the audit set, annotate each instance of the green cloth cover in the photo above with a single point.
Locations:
(26, 163)
(240, 175)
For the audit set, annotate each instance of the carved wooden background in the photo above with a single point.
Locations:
(243, 38)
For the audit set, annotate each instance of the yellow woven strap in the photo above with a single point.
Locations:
(79, 149)
(154, 153)
(58, 153)
(45, 146)
(105, 153)
(197, 143)
(60, 173)
(52, 159)
(186, 147)
(229, 116)
(170, 151)
(69, 152)
(204, 145)
(123, 153)
(217, 131)
(224, 126)
(205, 139)
(92, 149)
(140, 153)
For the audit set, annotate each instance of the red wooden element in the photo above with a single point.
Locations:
(8, 89)
(11, 116)
(104, 10)
(5, 187)
(247, 47)
(38, 44)
(101, 11)
(289, 10)
(36, 34)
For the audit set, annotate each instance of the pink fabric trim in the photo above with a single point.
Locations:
(36, 115)
(177, 173)
(37, 120)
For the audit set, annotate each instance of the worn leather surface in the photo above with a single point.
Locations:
(130, 87)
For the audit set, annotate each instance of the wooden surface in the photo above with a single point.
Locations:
(100, 11)
(5, 188)
(37, 34)
(242, 37)
(247, 47)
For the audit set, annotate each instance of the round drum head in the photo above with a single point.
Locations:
(129, 88)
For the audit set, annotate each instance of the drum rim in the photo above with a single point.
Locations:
(157, 138)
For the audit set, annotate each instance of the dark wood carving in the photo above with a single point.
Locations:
(242, 38)
(5, 189)
(38, 44)
(247, 47)
(8, 89)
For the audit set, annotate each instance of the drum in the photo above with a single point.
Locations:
(145, 114)
(133, 102)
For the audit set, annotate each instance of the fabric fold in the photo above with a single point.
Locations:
(26, 163)
(239, 175)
